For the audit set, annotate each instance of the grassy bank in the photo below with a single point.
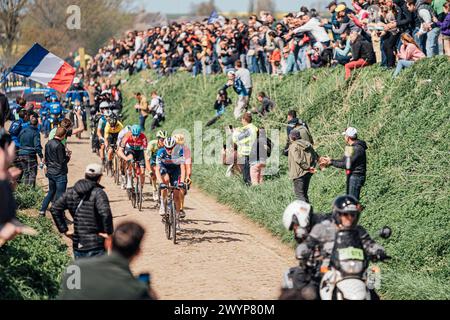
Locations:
(406, 125)
(31, 267)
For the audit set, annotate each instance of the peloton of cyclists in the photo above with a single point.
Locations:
(153, 147)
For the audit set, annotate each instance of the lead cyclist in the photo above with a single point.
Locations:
(170, 170)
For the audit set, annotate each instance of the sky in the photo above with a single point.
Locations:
(184, 6)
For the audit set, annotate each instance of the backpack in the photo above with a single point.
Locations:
(310, 156)
(266, 144)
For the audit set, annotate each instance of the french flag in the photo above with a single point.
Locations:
(44, 67)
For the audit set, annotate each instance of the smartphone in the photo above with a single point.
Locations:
(231, 127)
(144, 277)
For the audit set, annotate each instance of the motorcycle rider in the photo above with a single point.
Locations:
(315, 252)
(77, 92)
(44, 114)
(57, 112)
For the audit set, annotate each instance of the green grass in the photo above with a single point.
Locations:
(406, 123)
(31, 267)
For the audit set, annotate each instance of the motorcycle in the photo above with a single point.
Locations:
(348, 276)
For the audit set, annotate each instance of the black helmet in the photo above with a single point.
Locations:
(346, 204)
(113, 120)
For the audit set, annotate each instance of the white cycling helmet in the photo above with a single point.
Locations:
(298, 212)
(170, 143)
(76, 80)
(104, 105)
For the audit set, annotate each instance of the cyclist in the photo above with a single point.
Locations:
(122, 162)
(152, 150)
(132, 148)
(179, 138)
(170, 170)
(56, 111)
(104, 110)
(112, 130)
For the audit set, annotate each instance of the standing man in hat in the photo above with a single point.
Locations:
(89, 206)
(354, 161)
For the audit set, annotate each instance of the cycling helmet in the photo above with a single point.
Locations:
(298, 213)
(179, 138)
(346, 204)
(104, 105)
(136, 130)
(162, 134)
(170, 143)
(113, 120)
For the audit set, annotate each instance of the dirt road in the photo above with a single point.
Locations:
(220, 254)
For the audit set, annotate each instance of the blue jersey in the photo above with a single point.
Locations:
(163, 159)
(45, 110)
(55, 108)
(78, 94)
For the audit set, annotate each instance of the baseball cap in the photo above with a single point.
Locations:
(300, 14)
(340, 8)
(350, 132)
(94, 169)
(332, 3)
(231, 73)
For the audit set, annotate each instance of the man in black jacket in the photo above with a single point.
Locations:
(4, 110)
(362, 54)
(88, 204)
(56, 159)
(30, 148)
(357, 161)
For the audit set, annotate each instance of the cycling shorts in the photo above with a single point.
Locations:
(138, 156)
(112, 139)
(173, 172)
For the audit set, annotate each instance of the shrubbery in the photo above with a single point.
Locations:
(31, 267)
(406, 125)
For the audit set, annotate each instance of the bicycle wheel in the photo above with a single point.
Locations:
(116, 170)
(133, 191)
(174, 221)
(167, 221)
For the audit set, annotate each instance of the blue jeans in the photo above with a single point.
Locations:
(56, 187)
(355, 185)
(302, 59)
(291, 64)
(142, 122)
(88, 254)
(432, 42)
(401, 64)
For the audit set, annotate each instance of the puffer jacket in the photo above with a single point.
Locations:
(93, 217)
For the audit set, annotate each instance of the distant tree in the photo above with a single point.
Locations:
(11, 12)
(265, 5)
(204, 8)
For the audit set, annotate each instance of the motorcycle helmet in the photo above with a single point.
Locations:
(346, 205)
(76, 80)
(136, 130)
(298, 215)
(162, 134)
(170, 143)
(54, 98)
(47, 96)
(179, 138)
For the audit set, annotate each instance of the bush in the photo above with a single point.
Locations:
(28, 197)
(406, 125)
(31, 267)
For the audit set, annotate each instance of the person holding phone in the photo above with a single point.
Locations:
(109, 277)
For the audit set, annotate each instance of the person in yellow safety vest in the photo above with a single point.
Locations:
(245, 137)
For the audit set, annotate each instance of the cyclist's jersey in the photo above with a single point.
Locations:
(152, 150)
(163, 159)
(139, 144)
(113, 131)
(102, 124)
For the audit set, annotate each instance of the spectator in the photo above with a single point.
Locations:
(299, 125)
(245, 76)
(362, 54)
(267, 105)
(261, 150)
(157, 110)
(4, 110)
(390, 36)
(358, 162)
(245, 137)
(428, 29)
(302, 159)
(409, 53)
(142, 108)
(56, 160)
(230, 159)
(445, 28)
(239, 88)
(68, 125)
(17, 126)
(30, 142)
(109, 277)
(88, 204)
